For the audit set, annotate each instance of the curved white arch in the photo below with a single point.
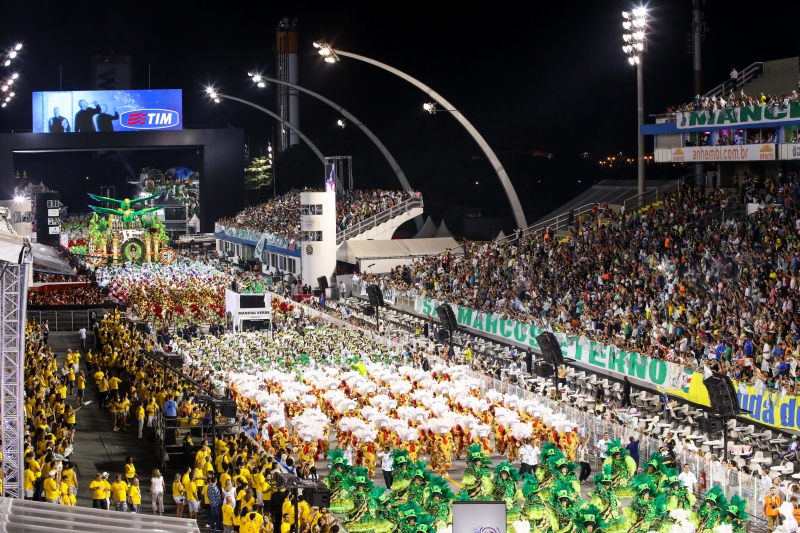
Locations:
(282, 121)
(519, 214)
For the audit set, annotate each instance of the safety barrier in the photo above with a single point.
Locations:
(66, 320)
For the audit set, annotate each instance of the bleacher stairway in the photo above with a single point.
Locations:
(778, 77)
(384, 224)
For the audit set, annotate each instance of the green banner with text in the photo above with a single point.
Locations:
(607, 358)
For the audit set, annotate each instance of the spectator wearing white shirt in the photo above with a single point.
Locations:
(689, 445)
(387, 465)
(583, 460)
(529, 457)
(688, 479)
(602, 445)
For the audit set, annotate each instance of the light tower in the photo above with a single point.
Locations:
(288, 104)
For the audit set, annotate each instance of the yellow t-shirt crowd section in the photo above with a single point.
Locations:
(134, 388)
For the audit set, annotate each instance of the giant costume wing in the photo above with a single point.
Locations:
(145, 211)
(144, 199)
(116, 212)
(104, 199)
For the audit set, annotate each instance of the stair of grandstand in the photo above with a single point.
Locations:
(778, 77)
(384, 224)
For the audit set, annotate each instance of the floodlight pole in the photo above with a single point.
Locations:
(279, 119)
(505, 181)
(640, 123)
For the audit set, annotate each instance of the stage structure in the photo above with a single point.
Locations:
(132, 237)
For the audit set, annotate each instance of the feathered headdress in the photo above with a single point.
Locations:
(506, 467)
(590, 515)
(562, 491)
(438, 485)
(737, 507)
(643, 483)
(656, 461)
(615, 447)
(411, 509)
(358, 478)
(558, 464)
(400, 457)
(530, 486)
(606, 477)
(476, 455)
(336, 457)
(716, 497)
(549, 449)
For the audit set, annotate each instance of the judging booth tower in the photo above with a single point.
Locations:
(318, 226)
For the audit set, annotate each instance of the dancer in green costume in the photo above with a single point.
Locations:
(534, 510)
(419, 482)
(438, 501)
(711, 511)
(678, 496)
(402, 473)
(564, 508)
(339, 471)
(588, 519)
(604, 497)
(383, 510)
(544, 472)
(360, 518)
(623, 468)
(642, 510)
(477, 475)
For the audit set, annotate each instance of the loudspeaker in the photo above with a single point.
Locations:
(722, 395)
(318, 497)
(375, 296)
(322, 282)
(286, 480)
(227, 409)
(369, 311)
(443, 335)
(447, 317)
(711, 425)
(551, 348)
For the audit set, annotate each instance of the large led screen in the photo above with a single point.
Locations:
(89, 111)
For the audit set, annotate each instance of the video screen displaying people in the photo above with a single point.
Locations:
(93, 111)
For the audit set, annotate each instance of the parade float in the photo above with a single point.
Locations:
(126, 235)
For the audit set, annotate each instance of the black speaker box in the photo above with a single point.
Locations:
(322, 282)
(711, 425)
(227, 409)
(722, 395)
(375, 296)
(443, 336)
(551, 348)
(318, 498)
(447, 317)
(369, 311)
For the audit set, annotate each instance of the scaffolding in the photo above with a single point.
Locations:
(13, 289)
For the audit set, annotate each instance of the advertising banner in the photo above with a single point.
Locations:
(766, 407)
(790, 151)
(479, 517)
(91, 111)
(737, 116)
(746, 152)
(606, 358)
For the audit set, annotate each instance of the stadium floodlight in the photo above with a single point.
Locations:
(18, 47)
(635, 25)
(430, 107)
(341, 123)
(15, 76)
(326, 51)
(209, 90)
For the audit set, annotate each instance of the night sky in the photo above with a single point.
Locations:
(531, 76)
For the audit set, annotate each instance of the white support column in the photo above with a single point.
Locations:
(318, 256)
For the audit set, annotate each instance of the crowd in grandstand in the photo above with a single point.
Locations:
(680, 283)
(85, 295)
(732, 100)
(281, 215)
(44, 277)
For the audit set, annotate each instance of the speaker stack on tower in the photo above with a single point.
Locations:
(375, 296)
(722, 395)
(322, 283)
(551, 348)
(447, 317)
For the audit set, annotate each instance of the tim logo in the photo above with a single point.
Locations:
(149, 119)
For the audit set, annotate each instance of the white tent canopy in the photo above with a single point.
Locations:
(385, 255)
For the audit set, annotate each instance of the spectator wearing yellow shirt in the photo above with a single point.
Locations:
(52, 492)
(178, 494)
(286, 525)
(102, 389)
(135, 496)
(191, 498)
(80, 381)
(98, 489)
(28, 479)
(115, 406)
(130, 470)
(140, 418)
(119, 494)
(227, 515)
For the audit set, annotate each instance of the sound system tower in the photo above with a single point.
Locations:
(227, 409)
(375, 296)
(722, 395)
(551, 348)
(712, 426)
(447, 317)
(322, 282)
(318, 497)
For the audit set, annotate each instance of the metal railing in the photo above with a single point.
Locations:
(380, 218)
(744, 76)
(649, 196)
(66, 320)
(557, 223)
